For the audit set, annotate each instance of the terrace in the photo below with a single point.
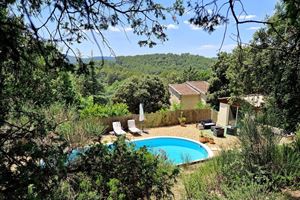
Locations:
(190, 131)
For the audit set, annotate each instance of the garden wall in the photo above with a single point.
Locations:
(214, 115)
(165, 118)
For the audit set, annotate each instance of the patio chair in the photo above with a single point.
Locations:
(118, 128)
(132, 128)
(207, 124)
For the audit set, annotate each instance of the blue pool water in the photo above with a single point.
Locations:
(177, 150)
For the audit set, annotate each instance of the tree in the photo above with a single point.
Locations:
(72, 18)
(92, 85)
(27, 68)
(148, 90)
(190, 74)
(64, 89)
(281, 50)
(33, 157)
(219, 82)
(268, 66)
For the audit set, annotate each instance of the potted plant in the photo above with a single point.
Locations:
(203, 138)
(182, 119)
(211, 140)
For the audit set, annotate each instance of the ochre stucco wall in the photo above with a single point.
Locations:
(190, 102)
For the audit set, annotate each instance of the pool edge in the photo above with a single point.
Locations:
(209, 151)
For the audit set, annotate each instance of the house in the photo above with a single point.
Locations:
(188, 94)
(229, 110)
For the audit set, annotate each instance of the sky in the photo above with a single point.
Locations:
(182, 37)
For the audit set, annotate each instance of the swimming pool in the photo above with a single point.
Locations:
(178, 150)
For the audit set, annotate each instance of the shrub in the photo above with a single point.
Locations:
(201, 105)
(176, 106)
(200, 184)
(224, 178)
(256, 171)
(264, 159)
(81, 132)
(119, 172)
(109, 110)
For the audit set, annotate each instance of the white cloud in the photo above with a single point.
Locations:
(215, 47)
(253, 28)
(244, 17)
(228, 47)
(128, 29)
(117, 29)
(192, 26)
(207, 46)
(114, 29)
(172, 26)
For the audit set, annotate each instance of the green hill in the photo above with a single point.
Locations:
(157, 63)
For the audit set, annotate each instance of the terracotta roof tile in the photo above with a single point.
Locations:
(200, 86)
(183, 89)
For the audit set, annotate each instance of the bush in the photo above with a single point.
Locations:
(200, 184)
(109, 110)
(224, 178)
(81, 132)
(257, 171)
(119, 172)
(265, 160)
(176, 106)
(202, 105)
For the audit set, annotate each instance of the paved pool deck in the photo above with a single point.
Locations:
(190, 131)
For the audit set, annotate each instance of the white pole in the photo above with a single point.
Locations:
(236, 116)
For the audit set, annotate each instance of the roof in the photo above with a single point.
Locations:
(190, 87)
(183, 89)
(256, 100)
(200, 86)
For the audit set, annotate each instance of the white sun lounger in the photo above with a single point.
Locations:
(118, 128)
(132, 128)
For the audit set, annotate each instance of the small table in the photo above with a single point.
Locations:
(218, 131)
(230, 130)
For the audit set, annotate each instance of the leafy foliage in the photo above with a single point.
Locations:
(219, 82)
(202, 105)
(109, 110)
(142, 16)
(35, 136)
(27, 69)
(147, 90)
(157, 63)
(257, 171)
(102, 175)
(268, 66)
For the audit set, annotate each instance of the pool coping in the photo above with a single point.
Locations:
(209, 151)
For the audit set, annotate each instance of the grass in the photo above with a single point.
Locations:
(206, 181)
(260, 169)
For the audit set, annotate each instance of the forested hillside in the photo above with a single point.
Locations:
(170, 68)
(157, 63)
